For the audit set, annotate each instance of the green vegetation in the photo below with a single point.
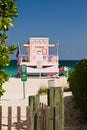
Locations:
(43, 90)
(66, 89)
(78, 84)
(8, 11)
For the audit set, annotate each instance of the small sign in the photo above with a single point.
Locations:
(23, 72)
(44, 51)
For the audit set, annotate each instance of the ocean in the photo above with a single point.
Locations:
(12, 68)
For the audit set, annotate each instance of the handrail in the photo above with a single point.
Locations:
(49, 59)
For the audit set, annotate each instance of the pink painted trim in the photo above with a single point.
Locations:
(53, 69)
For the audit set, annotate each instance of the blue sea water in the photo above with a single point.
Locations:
(12, 68)
(68, 63)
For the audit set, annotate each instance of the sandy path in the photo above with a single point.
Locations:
(14, 87)
(14, 95)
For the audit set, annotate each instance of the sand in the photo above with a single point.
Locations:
(15, 87)
(15, 95)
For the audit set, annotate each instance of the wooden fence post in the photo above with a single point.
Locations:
(36, 102)
(59, 101)
(55, 98)
(33, 103)
(27, 118)
(19, 117)
(51, 104)
(47, 114)
(0, 117)
(43, 117)
(9, 117)
(56, 120)
(38, 119)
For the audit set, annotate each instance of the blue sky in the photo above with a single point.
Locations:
(63, 20)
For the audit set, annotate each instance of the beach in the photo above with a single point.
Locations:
(15, 87)
(14, 95)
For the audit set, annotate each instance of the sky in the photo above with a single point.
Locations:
(63, 20)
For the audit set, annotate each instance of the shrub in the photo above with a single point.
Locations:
(66, 89)
(43, 90)
(78, 84)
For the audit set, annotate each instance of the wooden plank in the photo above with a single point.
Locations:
(0, 117)
(9, 117)
(51, 103)
(59, 101)
(27, 118)
(19, 118)
(34, 102)
(61, 110)
(43, 122)
(56, 117)
(57, 96)
(38, 120)
(31, 103)
(47, 114)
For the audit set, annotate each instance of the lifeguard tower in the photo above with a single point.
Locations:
(37, 58)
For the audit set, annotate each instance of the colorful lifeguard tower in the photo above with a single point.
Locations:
(37, 58)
